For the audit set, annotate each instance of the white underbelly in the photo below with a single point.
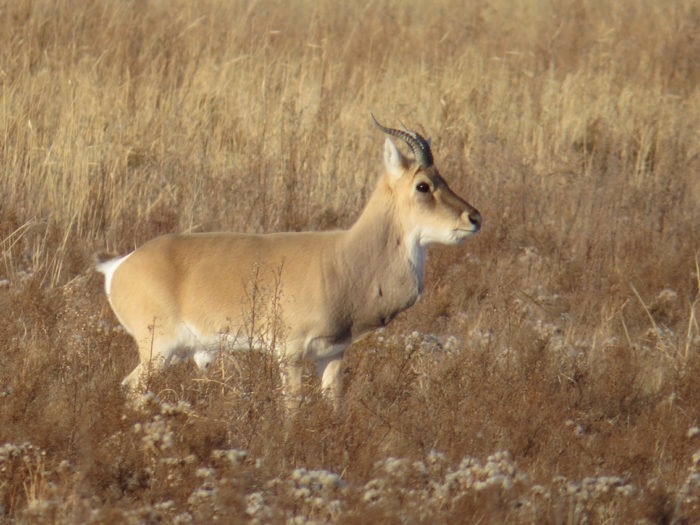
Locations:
(205, 348)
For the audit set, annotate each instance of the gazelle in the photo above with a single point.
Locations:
(178, 295)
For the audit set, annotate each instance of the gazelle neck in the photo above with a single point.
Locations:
(384, 263)
(379, 230)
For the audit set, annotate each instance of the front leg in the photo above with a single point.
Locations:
(292, 371)
(330, 370)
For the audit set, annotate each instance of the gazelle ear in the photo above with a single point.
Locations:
(394, 161)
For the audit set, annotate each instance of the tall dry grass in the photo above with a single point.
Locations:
(548, 376)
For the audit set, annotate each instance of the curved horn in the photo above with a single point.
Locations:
(419, 146)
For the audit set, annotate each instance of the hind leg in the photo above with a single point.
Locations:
(133, 380)
(138, 381)
(155, 351)
(140, 376)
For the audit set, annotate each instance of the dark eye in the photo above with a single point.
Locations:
(423, 187)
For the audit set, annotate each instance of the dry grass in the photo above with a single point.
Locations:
(548, 376)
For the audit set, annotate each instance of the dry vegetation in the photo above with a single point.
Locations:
(549, 375)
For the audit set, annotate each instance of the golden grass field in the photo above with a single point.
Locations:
(550, 373)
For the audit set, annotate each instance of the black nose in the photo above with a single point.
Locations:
(475, 218)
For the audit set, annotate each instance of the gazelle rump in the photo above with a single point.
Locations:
(190, 294)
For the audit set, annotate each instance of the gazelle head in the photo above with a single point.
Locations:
(430, 211)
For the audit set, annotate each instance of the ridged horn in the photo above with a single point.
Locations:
(419, 146)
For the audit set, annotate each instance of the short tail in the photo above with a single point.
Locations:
(107, 265)
(100, 258)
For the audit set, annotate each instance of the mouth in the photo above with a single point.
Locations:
(459, 235)
(463, 233)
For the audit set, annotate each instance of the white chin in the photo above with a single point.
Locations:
(450, 240)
